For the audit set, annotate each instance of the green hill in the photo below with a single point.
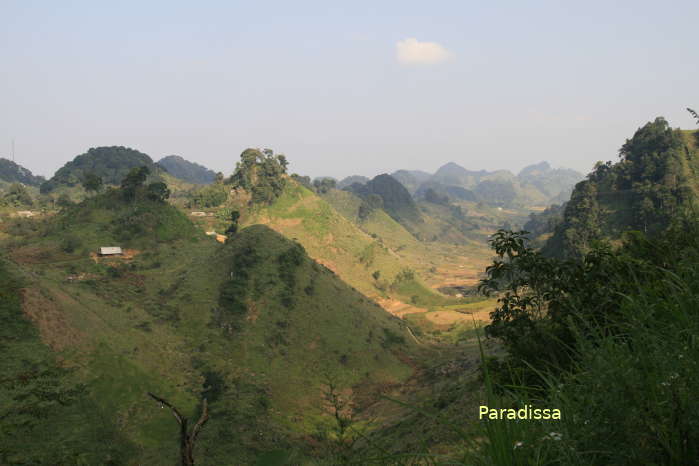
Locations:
(10, 172)
(394, 198)
(336, 241)
(187, 171)
(255, 326)
(109, 163)
(653, 184)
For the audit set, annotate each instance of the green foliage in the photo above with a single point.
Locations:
(233, 227)
(289, 261)
(39, 399)
(188, 171)
(11, 172)
(111, 164)
(369, 204)
(158, 191)
(303, 180)
(208, 196)
(544, 222)
(92, 182)
(70, 243)
(628, 324)
(261, 174)
(395, 199)
(111, 217)
(16, 196)
(652, 184)
(64, 200)
(323, 185)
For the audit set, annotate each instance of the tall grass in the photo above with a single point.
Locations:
(631, 398)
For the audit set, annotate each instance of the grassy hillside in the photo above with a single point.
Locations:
(454, 260)
(335, 241)
(254, 325)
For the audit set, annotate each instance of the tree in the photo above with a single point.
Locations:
(134, 180)
(233, 228)
(158, 191)
(323, 185)
(261, 174)
(92, 182)
(17, 195)
(187, 437)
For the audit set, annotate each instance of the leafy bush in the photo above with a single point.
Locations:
(70, 243)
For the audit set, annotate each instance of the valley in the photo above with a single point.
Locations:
(321, 325)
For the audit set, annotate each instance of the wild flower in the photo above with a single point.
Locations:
(518, 444)
(553, 436)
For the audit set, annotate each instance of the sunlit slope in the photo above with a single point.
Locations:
(338, 243)
(438, 263)
(254, 325)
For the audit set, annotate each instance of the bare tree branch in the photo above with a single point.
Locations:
(202, 420)
(187, 438)
(177, 414)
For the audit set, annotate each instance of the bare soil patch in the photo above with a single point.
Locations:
(49, 319)
(399, 308)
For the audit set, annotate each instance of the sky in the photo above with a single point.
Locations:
(344, 88)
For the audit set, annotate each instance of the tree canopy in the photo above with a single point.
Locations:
(261, 173)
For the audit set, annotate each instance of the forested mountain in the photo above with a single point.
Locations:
(111, 164)
(186, 170)
(654, 182)
(393, 197)
(11, 172)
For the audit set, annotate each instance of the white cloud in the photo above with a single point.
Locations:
(413, 52)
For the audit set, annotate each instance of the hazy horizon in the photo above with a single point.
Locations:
(357, 89)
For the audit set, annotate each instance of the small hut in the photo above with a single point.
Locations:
(110, 251)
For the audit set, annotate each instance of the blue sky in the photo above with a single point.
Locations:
(488, 85)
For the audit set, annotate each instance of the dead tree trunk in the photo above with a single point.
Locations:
(187, 438)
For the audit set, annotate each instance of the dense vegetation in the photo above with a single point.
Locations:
(16, 195)
(395, 199)
(653, 182)
(111, 164)
(10, 172)
(540, 225)
(188, 171)
(610, 339)
(261, 173)
(42, 399)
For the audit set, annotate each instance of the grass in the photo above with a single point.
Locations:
(147, 324)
